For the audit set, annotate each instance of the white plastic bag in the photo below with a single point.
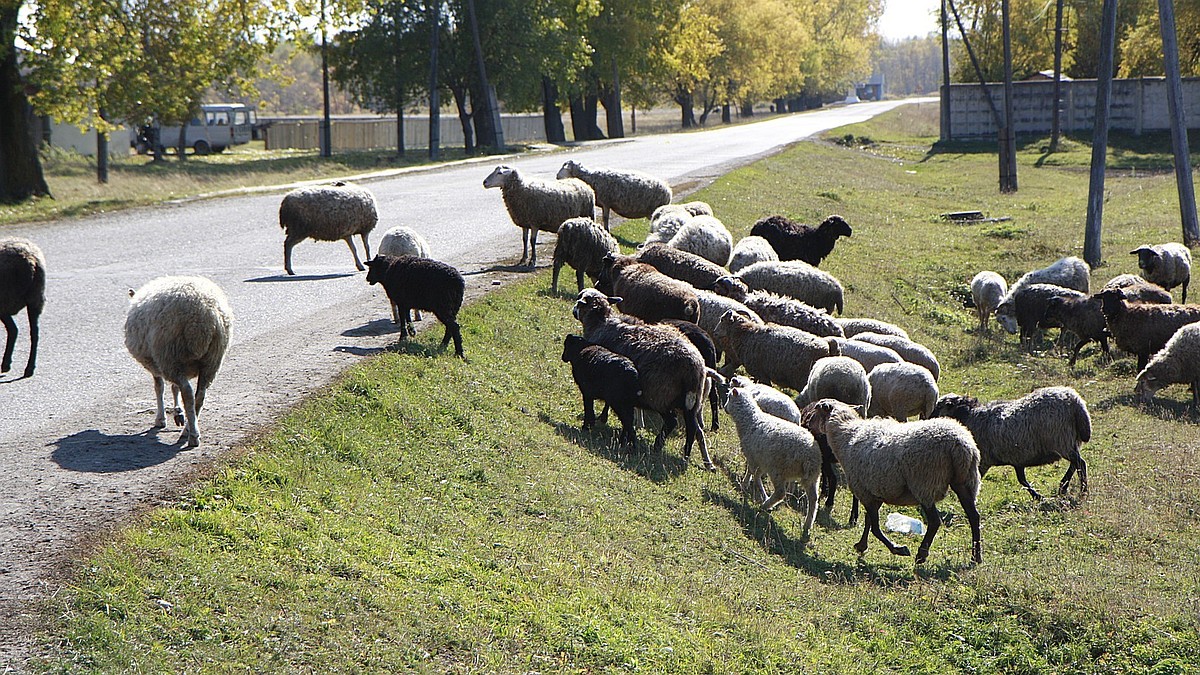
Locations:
(898, 522)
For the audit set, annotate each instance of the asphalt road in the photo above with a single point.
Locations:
(76, 452)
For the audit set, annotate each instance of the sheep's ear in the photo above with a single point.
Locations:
(734, 392)
(859, 409)
(1144, 249)
(131, 292)
(615, 299)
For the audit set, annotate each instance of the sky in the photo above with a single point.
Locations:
(906, 18)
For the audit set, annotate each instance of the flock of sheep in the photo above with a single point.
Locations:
(657, 323)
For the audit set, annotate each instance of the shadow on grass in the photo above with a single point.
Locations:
(299, 277)
(93, 451)
(761, 528)
(1148, 151)
(641, 459)
(1164, 409)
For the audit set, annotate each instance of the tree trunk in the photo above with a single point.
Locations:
(551, 115)
(181, 147)
(481, 114)
(747, 109)
(20, 170)
(435, 136)
(101, 157)
(579, 126)
(687, 115)
(612, 105)
(726, 113)
(399, 129)
(464, 118)
(591, 109)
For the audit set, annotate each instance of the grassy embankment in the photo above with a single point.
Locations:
(433, 515)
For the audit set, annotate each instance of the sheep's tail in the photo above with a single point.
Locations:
(714, 375)
(1083, 420)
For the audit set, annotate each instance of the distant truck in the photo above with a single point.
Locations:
(218, 126)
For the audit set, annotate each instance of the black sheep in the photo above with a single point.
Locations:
(798, 241)
(602, 374)
(421, 283)
(22, 286)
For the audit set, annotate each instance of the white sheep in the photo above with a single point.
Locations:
(713, 307)
(769, 399)
(705, 236)
(905, 464)
(750, 250)
(853, 326)
(869, 355)
(1069, 272)
(632, 194)
(796, 279)
(178, 328)
(22, 286)
(1177, 363)
(778, 449)
(1041, 427)
(987, 290)
(1168, 265)
(901, 390)
(913, 352)
(837, 377)
(540, 205)
(398, 241)
(329, 212)
(771, 353)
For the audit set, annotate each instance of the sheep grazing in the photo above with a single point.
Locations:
(631, 194)
(778, 309)
(1177, 363)
(647, 293)
(869, 355)
(1042, 427)
(402, 240)
(776, 448)
(902, 390)
(906, 464)
(708, 351)
(178, 328)
(771, 353)
(582, 244)
(1143, 329)
(769, 399)
(750, 250)
(1069, 272)
(670, 369)
(796, 279)
(1081, 316)
(713, 307)
(987, 290)
(1168, 265)
(22, 286)
(837, 377)
(601, 374)
(1024, 309)
(676, 263)
(537, 205)
(910, 351)
(329, 212)
(705, 236)
(1137, 289)
(798, 241)
(852, 327)
(421, 283)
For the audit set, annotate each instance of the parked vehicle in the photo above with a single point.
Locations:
(218, 126)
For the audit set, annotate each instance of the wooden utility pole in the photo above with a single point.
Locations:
(1095, 212)
(945, 97)
(435, 105)
(1179, 140)
(1008, 134)
(326, 125)
(1058, 47)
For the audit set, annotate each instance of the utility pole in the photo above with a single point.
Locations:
(1008, 135)
(1058, 47)
(1179, 140)
(945, 97)
(326, 125)
(435, 126)
(1095, 212)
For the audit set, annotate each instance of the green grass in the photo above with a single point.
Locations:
(426, 514)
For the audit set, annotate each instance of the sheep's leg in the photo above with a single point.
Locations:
(1078, 346)
(1025, 482)
(354, 252)
(853, 511)
(873, 526)
(625, 414)
(524, 246)
(533, 248)
(589, 412)
(180, 420)
(861, 545)
(288, 243)
(10, 328)
(406, 329)
(1196, 395)
(606, 228)
(579, 279)
(395, 313)
(967, 495)
(935, 523)
(190, 432)
(694, 426)
(366, 246)
(1143, 357)
(556, 267)
(810, 492)
(1183, 300)
(668, 425)
(33, 341)
(777, 496)
(829, 481)
(453, 331)
(604, 414)
(202, 384)
(160, 419)
(1076, 464)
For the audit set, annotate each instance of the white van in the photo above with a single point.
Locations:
(218, 126)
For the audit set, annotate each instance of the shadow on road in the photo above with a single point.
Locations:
(501, 268)
(373, 327)
(93, 451)
(299, 277)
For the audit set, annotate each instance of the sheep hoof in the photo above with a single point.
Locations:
(922, 555)
(861, 547)
(903, 550)
(710, 467)
(179, 419)
(977, 552)
(159, 423)
(191, 441)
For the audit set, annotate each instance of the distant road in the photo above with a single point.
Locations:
(74, 446)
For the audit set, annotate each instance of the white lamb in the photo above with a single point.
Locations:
(178, 328)
(401, 240)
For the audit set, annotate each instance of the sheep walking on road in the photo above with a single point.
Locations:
(537, 205)
(632, 194)
(22, 286)
(178, 328)
(327, 213)
(902, 463)
(421, 283)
